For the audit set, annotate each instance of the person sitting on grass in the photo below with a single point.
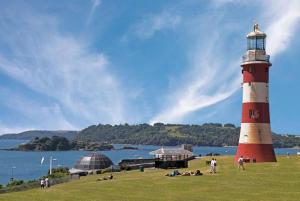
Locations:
(198, 173)
(106, 178)
(186, 174)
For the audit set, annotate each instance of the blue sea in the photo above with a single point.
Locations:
(27, 165)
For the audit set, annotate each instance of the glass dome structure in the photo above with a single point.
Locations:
(94, 161)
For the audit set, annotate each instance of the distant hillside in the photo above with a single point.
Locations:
(30, 135)
(209, 134)
(163, 134)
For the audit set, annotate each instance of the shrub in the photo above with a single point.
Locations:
(15, 183)
(31, 181)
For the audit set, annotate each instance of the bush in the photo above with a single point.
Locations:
(58, 172)
(64, 170)
(15, 183)
(1, 186)
(56, 175)
(31, 181)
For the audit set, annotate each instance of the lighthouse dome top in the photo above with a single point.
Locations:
(256, 33)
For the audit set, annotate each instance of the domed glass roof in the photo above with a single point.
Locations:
(93, 161)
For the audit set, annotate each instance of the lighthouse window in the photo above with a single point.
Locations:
(256, 43)
(260, 44)
(251, 44)
(251, 114)
(251, 69)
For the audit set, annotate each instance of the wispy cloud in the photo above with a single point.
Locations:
(5, 129)
(95, 4)
(151, 24)
(207, 82)
(283, 19)
(33, 113)
(61, 68)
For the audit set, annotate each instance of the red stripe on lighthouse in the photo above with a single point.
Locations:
(255, 113)
(256, 72)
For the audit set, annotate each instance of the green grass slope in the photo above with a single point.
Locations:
(265, 181)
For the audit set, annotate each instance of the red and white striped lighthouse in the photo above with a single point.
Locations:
(255, 140)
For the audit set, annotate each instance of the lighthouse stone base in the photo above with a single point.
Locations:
(256, 152)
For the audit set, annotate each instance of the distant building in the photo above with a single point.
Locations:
(94, 161)
(172, 157)
(188, 147)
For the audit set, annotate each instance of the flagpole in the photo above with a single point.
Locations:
(50, 165)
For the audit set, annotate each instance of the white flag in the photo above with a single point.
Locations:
(42, 160)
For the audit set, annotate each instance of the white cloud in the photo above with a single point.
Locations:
(95, 4)
(207, 82)
(283, 19)
(62, 69)
(151, 24)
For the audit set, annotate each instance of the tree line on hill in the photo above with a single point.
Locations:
(100, 137)
(208, 134)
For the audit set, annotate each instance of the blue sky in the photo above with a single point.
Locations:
(69, 64)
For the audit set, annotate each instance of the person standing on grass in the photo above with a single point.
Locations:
(42, 183)
(241, 163)
(212, 165)
(46, 182)
(215, 166)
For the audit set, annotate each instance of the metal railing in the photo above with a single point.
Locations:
(256, 57)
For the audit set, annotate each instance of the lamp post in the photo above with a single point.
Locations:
(12, 173)
(51, 160)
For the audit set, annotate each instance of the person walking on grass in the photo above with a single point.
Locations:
(241, 163)
(42, 183)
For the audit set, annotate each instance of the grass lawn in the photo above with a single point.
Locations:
(265, 181)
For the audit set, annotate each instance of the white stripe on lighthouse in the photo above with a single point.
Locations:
(255, 133)
(255, 92)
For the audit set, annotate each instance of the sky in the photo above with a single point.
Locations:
(68, 64)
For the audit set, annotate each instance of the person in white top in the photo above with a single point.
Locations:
(42, 183)
(212, 166)
(47, 182)
(241, 163)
